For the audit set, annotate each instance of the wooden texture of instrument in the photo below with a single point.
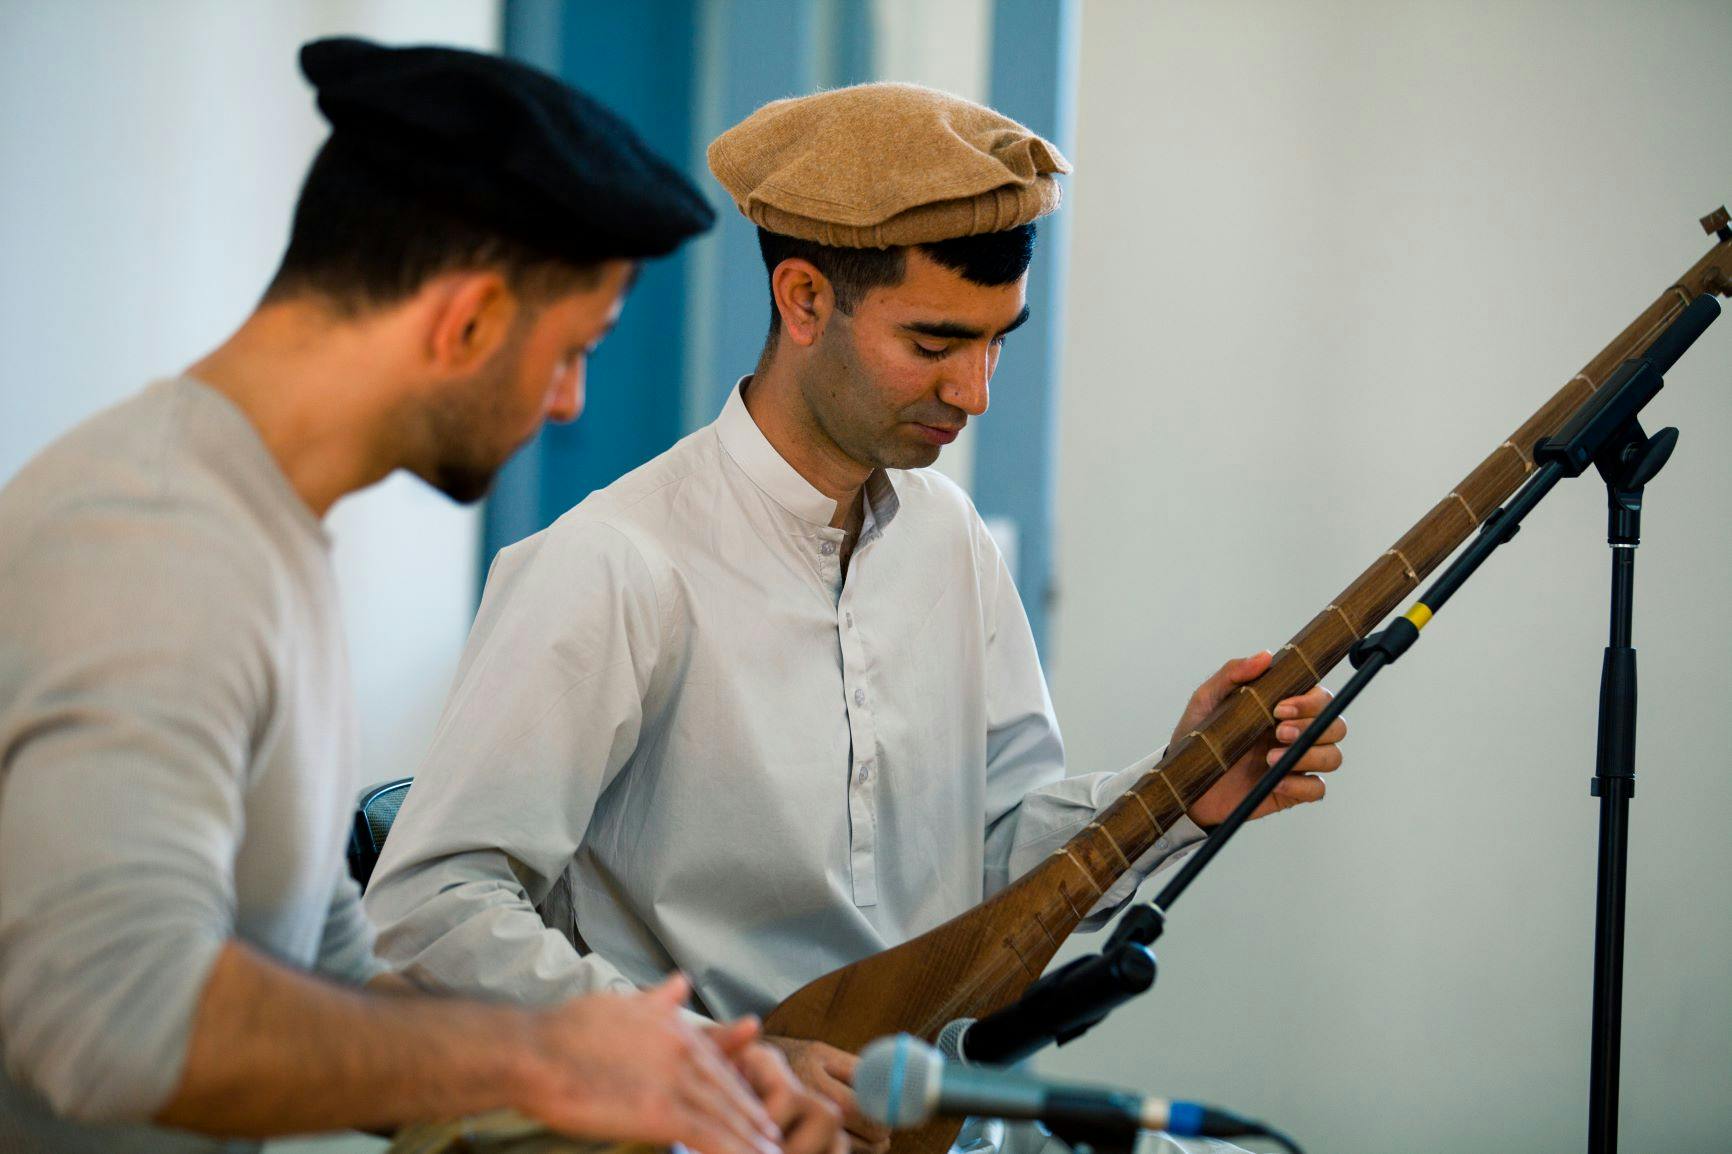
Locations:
(984, 959)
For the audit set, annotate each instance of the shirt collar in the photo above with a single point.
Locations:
(882, 503)
(770, 471)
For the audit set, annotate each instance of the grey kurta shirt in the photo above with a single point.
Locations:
(680, 737)
(176, 757)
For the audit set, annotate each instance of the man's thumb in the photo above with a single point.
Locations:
(1236, 672)
(1248, 668)
(674, 990)
(730, 1037)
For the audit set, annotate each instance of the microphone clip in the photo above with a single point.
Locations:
(1061, 1006)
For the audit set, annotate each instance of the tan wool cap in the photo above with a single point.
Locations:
(878, 165)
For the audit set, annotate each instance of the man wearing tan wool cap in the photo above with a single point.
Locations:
(769, 704)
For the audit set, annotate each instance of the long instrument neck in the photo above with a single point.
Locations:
(1101, 853)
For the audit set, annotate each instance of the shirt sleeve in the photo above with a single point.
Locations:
(546, 712)
(1032, 807)
(132, 676)
(346, 949)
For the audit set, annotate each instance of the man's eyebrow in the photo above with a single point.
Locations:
(951, 330)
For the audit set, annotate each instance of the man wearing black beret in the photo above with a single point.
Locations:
(183, 957)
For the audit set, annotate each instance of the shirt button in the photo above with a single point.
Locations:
(865, 772)
(849, 617)
(859, 697)
(828, 548)
(1161, 843)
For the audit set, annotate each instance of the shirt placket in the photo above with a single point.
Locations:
(864, 772)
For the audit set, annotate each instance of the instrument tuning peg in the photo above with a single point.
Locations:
(1717, 223)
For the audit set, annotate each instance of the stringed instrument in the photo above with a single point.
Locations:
(984, 959)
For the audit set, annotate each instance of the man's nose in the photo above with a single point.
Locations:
(565, 402)
(967, 387)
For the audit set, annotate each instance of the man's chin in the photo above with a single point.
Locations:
(910, 456)
(464, 486)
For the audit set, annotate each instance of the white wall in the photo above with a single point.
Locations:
(149, 159)
(1326, 257)
(946, 46)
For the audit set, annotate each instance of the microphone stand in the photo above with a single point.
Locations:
(1626, 465)
(1605, 433)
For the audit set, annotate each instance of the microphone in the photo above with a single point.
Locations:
(1059, 1008)
(902, 1082)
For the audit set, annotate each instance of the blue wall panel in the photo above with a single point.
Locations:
(640, 60)
(679, 71)
(1034, 52)
(765, 50)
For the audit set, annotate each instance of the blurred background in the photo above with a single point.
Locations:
(1316, 261)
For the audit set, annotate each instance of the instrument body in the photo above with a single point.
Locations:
(985, 958)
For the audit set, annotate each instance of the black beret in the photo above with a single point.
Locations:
(504, 146)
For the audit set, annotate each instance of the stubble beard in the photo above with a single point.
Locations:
(840, 394)
(465, 426)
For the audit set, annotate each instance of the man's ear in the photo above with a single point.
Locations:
(804, 299)
(471, 319)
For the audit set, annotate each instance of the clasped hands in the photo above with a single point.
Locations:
(635, 1067)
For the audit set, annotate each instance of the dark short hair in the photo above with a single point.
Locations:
(360, 241)
(991, 258)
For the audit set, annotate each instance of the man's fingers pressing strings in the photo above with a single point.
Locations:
(1301, 788)
(1289, 731)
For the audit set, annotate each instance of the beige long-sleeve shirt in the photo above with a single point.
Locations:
(176, 758)
(680, 737)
